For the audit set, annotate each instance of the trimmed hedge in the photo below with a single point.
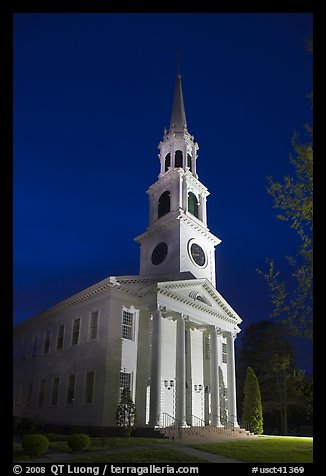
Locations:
(79, 441)
(35, 445)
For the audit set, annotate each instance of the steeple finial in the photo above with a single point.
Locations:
(178, 121)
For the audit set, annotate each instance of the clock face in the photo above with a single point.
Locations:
(197, 254)
(159, 253)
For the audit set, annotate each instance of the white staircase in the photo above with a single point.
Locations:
(201, 432)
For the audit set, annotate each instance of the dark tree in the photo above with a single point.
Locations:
(292, 298)
(252, 415)
(285, 393)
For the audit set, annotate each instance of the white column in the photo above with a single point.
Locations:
(161, 156)
(181, 193)
(184, 194)
(155, 397)
(180, 372)
(232, 397)
(172, 155)
(202, 209)
(214, 365)
(193, 158)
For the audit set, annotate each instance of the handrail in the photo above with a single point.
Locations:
(198, 421)
(227, 423)
(169, 420)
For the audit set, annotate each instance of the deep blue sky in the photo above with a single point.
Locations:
(92, 95)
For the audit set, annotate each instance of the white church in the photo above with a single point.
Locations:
(167, 334)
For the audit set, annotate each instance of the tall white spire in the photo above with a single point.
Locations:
(178, 121)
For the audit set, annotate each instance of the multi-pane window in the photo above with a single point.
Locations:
(125, 381)
(47, 341)
(89, 387)
(93, 325)
(25, 348)
(127, 325)
(224, 354)
(75, 331)
(61, 332)
(41, 392)
(35, 345)
(29, 394)
(71, 389)
(55, 391)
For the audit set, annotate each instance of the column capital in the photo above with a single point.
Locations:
(216, 329)
(231, 334)
(183, 316)
(161, 309)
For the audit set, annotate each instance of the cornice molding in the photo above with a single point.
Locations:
(167, 220)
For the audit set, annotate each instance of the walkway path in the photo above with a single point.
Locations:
(210, 457)
(52, 456)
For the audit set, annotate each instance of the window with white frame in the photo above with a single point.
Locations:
(47, 340)
(75, 331)
(41, 393)
(61, 332)
(71, 389)
(125, 381)
(127, 324)
(89, 387)
(224, 354)
(35, 345)
(55, 391)
(93, 325)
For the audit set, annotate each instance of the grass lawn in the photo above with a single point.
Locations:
(264, 449)
(108, 443)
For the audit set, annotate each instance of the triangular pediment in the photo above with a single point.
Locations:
(198, 296)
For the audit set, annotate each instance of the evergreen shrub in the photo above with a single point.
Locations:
(79, 441)
(35, 445)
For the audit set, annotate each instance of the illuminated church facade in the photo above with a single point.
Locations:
(167, 334)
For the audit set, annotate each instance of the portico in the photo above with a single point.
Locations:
(189, 330)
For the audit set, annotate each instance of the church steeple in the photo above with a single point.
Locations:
(177, 239)
(178, 121)
(178, 148)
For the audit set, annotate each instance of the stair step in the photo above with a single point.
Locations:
(201, 432)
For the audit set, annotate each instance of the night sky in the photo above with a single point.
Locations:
(92, 95)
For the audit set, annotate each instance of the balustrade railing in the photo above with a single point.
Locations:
(196, 421)
(169, 420)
